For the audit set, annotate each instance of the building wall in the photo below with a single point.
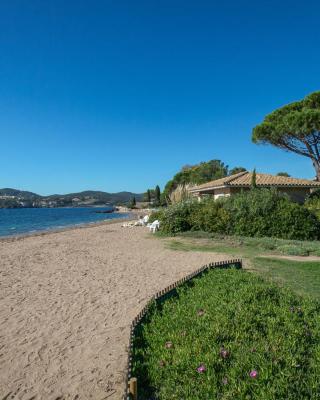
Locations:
(216, 193)
(222, 192)
(296, 194)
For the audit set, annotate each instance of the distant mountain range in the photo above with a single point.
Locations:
(13, 198)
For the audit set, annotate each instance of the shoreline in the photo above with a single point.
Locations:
(20, 236)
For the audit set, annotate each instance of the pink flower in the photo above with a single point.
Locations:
(253, 374)
(201, 369)
(225, 381)
(224, 353)
(168, 345)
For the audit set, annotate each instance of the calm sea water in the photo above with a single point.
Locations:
(27, 220)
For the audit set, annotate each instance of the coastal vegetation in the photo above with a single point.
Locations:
(230, 334)
(254, 213)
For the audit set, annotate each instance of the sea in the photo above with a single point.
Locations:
(18, 221)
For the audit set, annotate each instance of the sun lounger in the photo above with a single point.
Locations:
(154, 226)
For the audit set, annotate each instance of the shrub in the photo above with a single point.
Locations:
(254, 213)
(263, 212)
(210, 216)
(177, 218)
(156, 215)
(251, 212)
(292, 221)
(313, 203)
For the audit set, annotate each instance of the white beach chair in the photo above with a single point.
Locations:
(154, 226)
(145, 219)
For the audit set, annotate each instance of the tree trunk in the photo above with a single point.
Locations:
(316, 164)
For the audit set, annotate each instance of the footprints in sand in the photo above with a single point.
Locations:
(66, 304)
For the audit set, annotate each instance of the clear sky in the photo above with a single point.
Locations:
(119, 95)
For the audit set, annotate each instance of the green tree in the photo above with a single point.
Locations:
(254, 179)
(147, 196)
(283, 174)
(196, 174)
(294, 127)
(236, 170)
(157, 194)
(133, 202)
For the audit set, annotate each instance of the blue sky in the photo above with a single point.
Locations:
(119, 95)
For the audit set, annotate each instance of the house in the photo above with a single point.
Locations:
(297, 189)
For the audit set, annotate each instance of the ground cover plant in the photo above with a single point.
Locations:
(230, 335)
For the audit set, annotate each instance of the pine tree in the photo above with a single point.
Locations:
(157, 194)
(254, 179)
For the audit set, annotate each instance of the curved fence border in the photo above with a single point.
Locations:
(131, 382)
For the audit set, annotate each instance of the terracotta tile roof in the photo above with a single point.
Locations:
(243, 179)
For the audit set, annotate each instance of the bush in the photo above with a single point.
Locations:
(313, 204)
(210, 216)
(251, 212)
(178, 217)
(263, 212)
(292, 221)
(254, 213)
(156, 215)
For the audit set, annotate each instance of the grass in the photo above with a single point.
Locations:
(254, 246)
(230, 335)
(301, 276)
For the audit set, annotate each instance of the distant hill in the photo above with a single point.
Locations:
(13, 198)
(18, 193)
(105, 197)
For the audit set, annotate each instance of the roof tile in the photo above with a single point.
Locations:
(243, 179)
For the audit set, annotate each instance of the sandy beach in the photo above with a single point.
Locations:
(66, 302)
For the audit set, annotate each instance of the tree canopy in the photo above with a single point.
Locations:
(199, 173)
(294, 127)
(283, 174)
(236, 170)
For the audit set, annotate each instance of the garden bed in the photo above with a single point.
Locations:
(229, 335)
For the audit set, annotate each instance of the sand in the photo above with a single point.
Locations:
(66, 303)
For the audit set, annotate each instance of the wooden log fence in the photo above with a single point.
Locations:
(131, 391)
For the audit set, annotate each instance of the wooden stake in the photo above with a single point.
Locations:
(133, 388)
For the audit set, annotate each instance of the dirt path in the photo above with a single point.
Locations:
(66, 302)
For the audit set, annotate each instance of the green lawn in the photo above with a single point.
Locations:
(301, 276)
(230, 335)
(251, 246)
